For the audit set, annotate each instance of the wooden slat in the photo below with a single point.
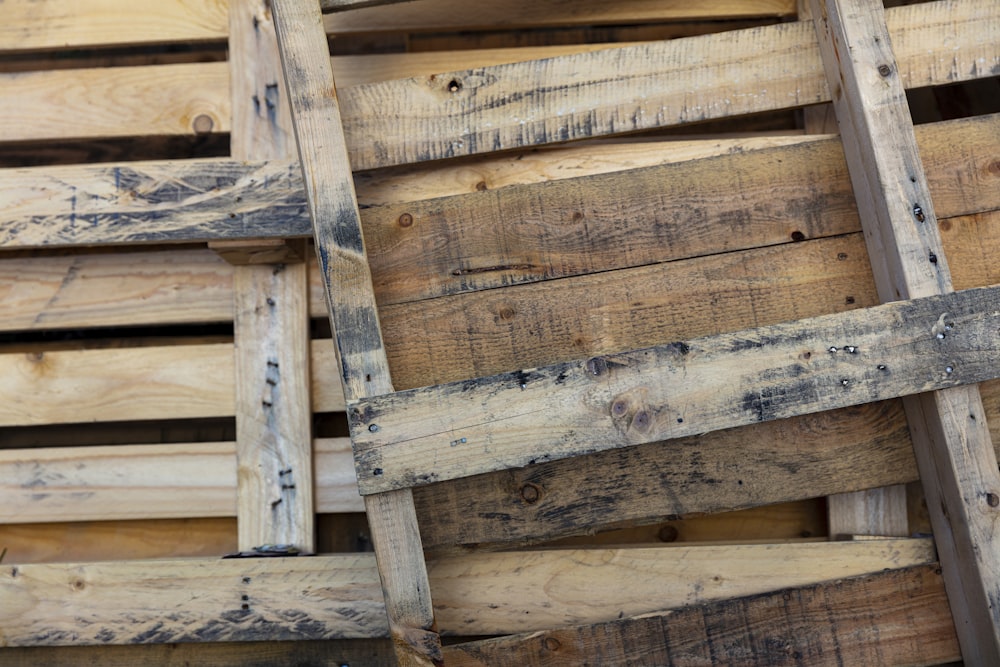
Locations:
(951, 439)
(51, 24)
(128, 482)
(675, 390)
(454, 15)
(115, 102)
(203, 200)
(127, 602)
(121, 101)
(169, 382)
(548, 101)
(908, 623)
(275, 489)
(364, 369)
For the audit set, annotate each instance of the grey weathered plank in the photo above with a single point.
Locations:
(347, 284)
(955, 456)
(680, 389)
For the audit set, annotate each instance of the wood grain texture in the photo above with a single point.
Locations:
(129, 602)
(129, 482)
(347, 284)
(50, 24)
(817, 624)
(313, 598)
(549, 101)
(115, 102)
(149, 202)
(951, 440)
(449, 14)
(674, 390)
(275, 490)
(169, 382)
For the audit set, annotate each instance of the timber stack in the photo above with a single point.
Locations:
(550, 333)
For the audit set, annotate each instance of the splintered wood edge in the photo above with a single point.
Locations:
(682, 389)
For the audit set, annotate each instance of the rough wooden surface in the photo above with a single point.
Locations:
(127, 482)
(51, 24)
(907, 622)
(951, 440)
(134, 383)
(675, 390)
(364, 369)
(549, 101)
(337, 596)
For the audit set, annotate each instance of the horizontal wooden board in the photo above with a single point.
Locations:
(52, 24)
(127, 482)
(136, 383)
(115, 102)
(602, 222)
(454, 15)
(895, 617)
(540, 102)
(675, 390)
(162, 100)
(338, 596)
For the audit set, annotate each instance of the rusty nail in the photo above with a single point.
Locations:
(884, 70)
(530, 493)
(405, 220)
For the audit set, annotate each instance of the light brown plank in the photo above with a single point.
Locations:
(526, 104)
(51, 24)
(127, 602)
(449, 14)
(115, 102)
(169, 382)
(818, 624)
(275, 503)
(954, 453)
(364, 369)
(128, 482)
(674, 390)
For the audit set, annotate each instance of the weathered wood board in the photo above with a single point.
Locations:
(680, 389)
(328, 597)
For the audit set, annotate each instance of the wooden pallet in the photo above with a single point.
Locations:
(786, 263)
(518, 418)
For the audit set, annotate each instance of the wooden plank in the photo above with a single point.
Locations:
(117, 540)
(128, 602)
(452, 15)
(169, 382)
(116, 102)
(547, 101)
(201, 200)
(364, 369)
(212, 600)
(50, 24)
(150, 202)
(954, 453)
(128, 482)
(675, 390)
(275, 489)
(817, 624)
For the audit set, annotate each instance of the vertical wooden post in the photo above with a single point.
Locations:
(957, 463)
(364, 368)
(882, 511)
(271, 316)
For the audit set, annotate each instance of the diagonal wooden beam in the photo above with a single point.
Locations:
(680, 389)
(951, 440)
(364, 369)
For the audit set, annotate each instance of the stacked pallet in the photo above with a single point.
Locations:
(167, 367)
